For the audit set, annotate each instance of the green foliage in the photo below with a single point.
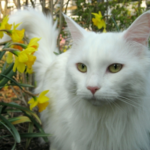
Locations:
(123, 13)
(12, 114)
(7, 123)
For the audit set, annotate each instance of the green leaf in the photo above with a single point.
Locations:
(12, 129)
(7, 78)
(7, 70)
(26, 110)
(38, 126)
(1, 137)
(4, 66)
(56, 53)
(11, 110)
(115, 24)
(14, 146)
(23, 85)
(15, 105)
(1, 54)
(30, 130)
(33, 135)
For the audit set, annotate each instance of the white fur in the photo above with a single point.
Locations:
(120, 117)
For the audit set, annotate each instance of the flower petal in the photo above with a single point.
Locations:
(29, 70)
(21, 67)
(17, 35)
(23, 57)
(31, 101)
(16, 64)
(42, 106)
(9, 58)
(43, 99)
(35, 103)
(43, 93)
(34, 43)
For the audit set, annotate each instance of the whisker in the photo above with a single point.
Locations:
(131, 104)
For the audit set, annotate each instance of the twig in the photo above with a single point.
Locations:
(9, 49)
(15, 3)
(33, 4)
(66, 6)
(51, 7)
(2, 11)
(19, 5)
(60, 21)
(23, 99)
(55, 2)
(29, 93)
(2, 43)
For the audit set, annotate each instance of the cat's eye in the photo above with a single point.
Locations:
(81, 67)
(114, 68)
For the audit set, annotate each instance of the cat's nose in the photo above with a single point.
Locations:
(93, 89)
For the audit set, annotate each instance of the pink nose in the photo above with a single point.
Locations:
(93, 89)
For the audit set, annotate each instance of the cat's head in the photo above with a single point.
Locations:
(107, 67)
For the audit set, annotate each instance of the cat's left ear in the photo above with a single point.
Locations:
(77, 32)
(139, 31)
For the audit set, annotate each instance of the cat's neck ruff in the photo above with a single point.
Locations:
(116, 124)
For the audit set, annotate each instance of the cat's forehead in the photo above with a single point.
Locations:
(103, 41)
(102, 46)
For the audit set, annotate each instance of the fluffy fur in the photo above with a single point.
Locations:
(118, 116)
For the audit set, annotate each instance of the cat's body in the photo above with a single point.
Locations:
(117, 117)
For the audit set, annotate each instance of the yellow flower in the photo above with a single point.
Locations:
(104, 30)
(98, 20)
(64, 50)
(41, 101)
(34, 43)
(25, 58)
(17, 35)
(30, 62)
(19, 66)
(4, 26)
(9, 58)
(18, 46)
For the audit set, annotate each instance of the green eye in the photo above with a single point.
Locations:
(114, 68)
(81, 67)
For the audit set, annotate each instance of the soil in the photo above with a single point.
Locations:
(8, 142)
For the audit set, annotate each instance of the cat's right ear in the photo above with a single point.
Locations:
(76, 31)
(139, 31)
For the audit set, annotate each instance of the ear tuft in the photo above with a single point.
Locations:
(139, 31)
(76, 31)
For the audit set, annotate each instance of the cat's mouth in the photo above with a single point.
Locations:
(98, 102)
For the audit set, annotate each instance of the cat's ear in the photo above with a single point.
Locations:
(139, 30)
(76, 31)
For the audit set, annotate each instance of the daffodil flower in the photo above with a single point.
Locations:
(9, 58)
(25, 58)
(4, 25)
(41, 101)
(34, 43)
(18, 46)
(64, 50)
(16, 35)
(99, 21)
(29, 63)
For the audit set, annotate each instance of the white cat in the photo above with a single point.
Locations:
(99, 89)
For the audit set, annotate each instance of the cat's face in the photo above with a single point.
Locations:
(109, 67)
(91, 68)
